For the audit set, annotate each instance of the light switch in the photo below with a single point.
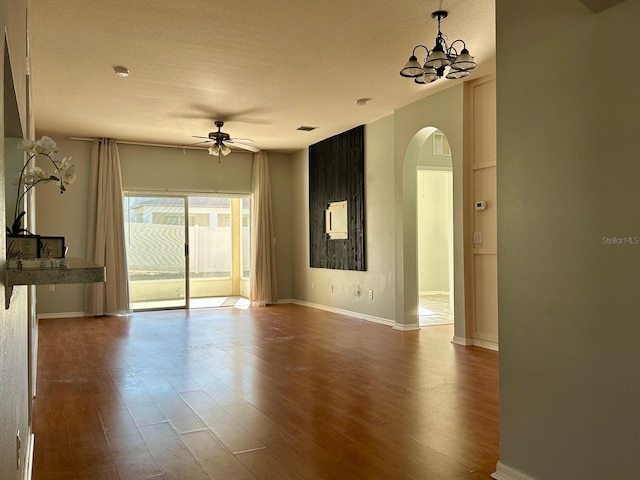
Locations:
(477, 237)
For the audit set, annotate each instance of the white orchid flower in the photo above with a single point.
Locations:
(28, 146)
(36, 174)
(64, 164)
(47, 143)
(54, 154)
(64, 174)
(68, 175)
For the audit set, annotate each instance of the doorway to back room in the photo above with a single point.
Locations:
(435, 232)
(187, 251)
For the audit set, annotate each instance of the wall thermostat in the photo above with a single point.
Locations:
(481, 205)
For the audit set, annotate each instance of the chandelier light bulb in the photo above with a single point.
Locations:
(412, 68)
(464, 61)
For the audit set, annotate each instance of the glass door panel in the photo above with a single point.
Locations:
(155, 235)
(211, 222)
(245, 247)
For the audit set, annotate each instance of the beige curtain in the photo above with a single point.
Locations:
(263, 284)
(105, 236)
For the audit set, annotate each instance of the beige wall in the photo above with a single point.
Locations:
(156, 170)
(443, 111)
(567, 183)
(435, 218)
(65, 215)
(165, 170)
(281, 200)
(480, 171)
(312, 285)
(393, 147)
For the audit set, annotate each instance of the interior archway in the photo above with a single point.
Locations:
(435, 232)
(407, 308)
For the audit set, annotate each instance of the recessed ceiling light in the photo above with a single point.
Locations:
(305, 128)
(121, 71)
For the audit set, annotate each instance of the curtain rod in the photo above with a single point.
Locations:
(141, 144)
(182, 193)
(161, 145)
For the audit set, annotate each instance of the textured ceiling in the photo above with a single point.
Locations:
(265, 68)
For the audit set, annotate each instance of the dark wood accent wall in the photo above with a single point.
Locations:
(336, 173)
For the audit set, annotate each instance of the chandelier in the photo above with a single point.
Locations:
(439, 58)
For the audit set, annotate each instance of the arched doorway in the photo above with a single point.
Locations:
(407, 307)
(435, 232)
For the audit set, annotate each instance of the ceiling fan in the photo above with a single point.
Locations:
(222, 142)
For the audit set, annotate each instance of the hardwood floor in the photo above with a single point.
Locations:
(434, 310)
(282, 392)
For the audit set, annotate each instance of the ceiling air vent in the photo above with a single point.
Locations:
(305, 128)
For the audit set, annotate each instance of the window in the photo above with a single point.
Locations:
(245, 238)
(167, 219)
(224, 220)
(199, 220)
(441, 144)
(172, 264)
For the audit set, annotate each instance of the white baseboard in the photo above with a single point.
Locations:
(61, 315)
(485, 344)
(504, 472)
(284, 300)
(467, 342)
(348, 313)
(28, 460)
(434, 292)
(406, 327)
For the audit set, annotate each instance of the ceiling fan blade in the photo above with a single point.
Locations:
(194, 144)
(241, 140)
(251, 148)
(208, 112)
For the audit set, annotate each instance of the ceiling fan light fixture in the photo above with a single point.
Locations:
(219, 140)
(214, 150)
(120, 71)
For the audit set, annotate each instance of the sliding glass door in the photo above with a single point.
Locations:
(155, 241)
(188, 251)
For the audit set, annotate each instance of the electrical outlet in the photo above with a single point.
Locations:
(313, 285)
(370, 294)
(331, 288)
(52, 288)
